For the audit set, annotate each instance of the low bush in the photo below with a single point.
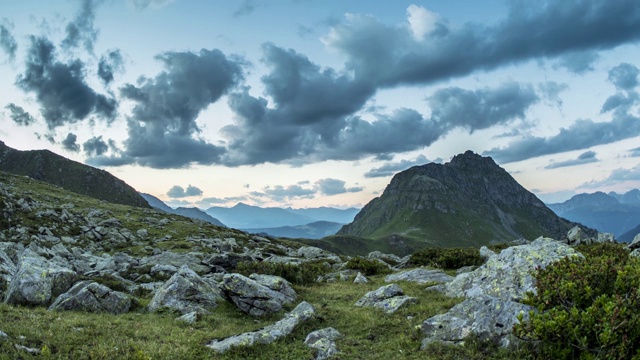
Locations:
(447, 258)
(302, 274)
(587, 308)
(367, 267)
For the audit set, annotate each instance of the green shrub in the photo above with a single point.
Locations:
(367, 267)
(447, 258)
(587, 308)
(303, 274)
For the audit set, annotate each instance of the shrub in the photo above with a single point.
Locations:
(302, 274)
(367, 267)
(448, 258)
(587, 308)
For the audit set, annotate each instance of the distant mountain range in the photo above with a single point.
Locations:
(243, 216)
(314, 230)
(70, 175)
(469, 201)
(192, 212)
(613, 213)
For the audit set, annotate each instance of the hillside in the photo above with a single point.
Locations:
(469, 201)
(189, 212)
(613, 213)
(81, 179)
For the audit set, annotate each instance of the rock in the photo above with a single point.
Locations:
(92, 297)
(635, 253)
(388, 298)
(486, 253)
(389, 259)
(185, 292)
(301, 313)
(227, 261)
(259, 295)
(143, 233)
(189, 318)
(635, 243)
(3, 336)
(465, 269)
(487, 317)
(509, 275)
(574, 236)
(324, 341)
(37, 281)
(163, 271)
(177, 260)
(420, 276)
(360, 279)
(605, 238)
(7, 270)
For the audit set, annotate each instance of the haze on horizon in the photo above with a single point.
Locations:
(309, 103)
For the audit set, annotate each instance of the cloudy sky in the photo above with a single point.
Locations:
(319, 102)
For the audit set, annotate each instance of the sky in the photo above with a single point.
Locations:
(308, 103)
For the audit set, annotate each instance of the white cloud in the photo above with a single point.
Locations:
(421, 21)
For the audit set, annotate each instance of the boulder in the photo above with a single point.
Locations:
(420, 276)
(635, 243)
(323, 340)
(37, 281)
(301, 313)
(388, 298)
(509, 275)
(185, 292)
(360, 279)
(574, 236)
(177, 260)
(389, 259)
(605, 238)
(486, 253)
(7, 270)
(487, 317)
(92, 297)
(257, 295)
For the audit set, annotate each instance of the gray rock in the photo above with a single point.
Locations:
(177, 260)
(303, 312)
(189, 318)
(323, 340)
(227, 261)
(388, 298)
(360, 279)
(509, 275)
(635, 243)
(7, 270)
(635, 253)
(3, 336)
(487, 317)
(185, 292)
(605, 238)
(465, 269)
(92, 297)
(574, 236)
(389, 259)
(37, 281)
(420, 276)
(257, 296)
(486, 253)
(163, 271)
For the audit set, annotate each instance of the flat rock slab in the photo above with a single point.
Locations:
(420, 276)
(303, 312)
(92, 297)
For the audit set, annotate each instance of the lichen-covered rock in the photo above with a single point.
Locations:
(388, 298)
(258, 295)
(323, 340)
(574, 236)
(360, 279)
(420, 276)
(92, 297)
(185, 292)
(169, 258)
(7, 269)
(484, 316)
(37, 281)
(301, 313)
(509, 275)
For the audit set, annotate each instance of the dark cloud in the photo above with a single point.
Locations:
(390, 56)
(624, 76)
(578, 62)
(584, 158)
(550, 92)
(19, 115)
(110, 63)
(162, 128)
(179, 192)
(391, 168)
(280, 193)
(8, 42)
(620, 102)
(95, 146)
(60, 89)
(81, 30)
(69, 143)
(246, 7)
(635, 152)
(331, 187)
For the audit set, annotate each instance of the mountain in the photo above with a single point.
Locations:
(193, 213)
(613, 213)
(342, 216)
(314, 230)
(81, 179)
(629, 235)
(469, 201)
(243, 216)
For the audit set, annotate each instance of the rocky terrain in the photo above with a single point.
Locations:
(93, 272)
(469, 201)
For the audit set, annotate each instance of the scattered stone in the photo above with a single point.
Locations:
(388, 298)
(3, 336)
(324, 341)
(420, 276)
(303, 312)
(360, 279)
(574, 236)
(32, 351)
(92, 297)
(189, 318)
(259, 295)
(185, 292)
(606, 238)
(389, 259)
